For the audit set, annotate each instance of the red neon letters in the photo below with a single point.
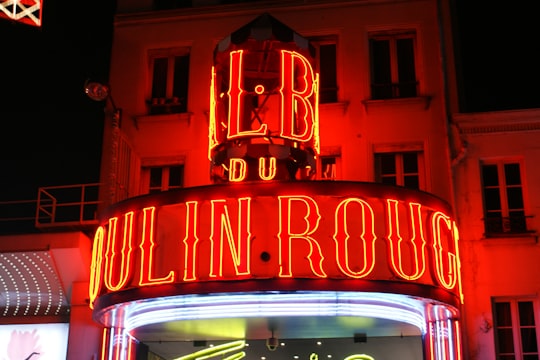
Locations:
(293, 236)
(296, 96)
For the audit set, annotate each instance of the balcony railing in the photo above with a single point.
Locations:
(56, 208)
(508, 225)
(67, 205)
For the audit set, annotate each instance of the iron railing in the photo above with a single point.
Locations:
(507, 225)
(67, 205)
(56, 207)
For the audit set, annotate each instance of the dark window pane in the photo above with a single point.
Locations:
(489, 175)
(328, 75)
(493, 223)
(492, 199)
(515, 198)
(176, 176)
(381, 77)
(497, 215)
(180, 82)
(410, 163)
(159, 79)
(389, 180)
(504, 317)
(518, 222)
(526, 313)
(327, 160)
(387, 163)
(155, 177)
(506, 357)
(328, 167)
(531, 357)
(406, 70)
(528, 340)
(411, 182)
(505, 340)
(512, 174)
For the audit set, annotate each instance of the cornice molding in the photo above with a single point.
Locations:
(498, 121)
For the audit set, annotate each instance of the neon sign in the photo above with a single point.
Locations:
(288, 236)
(264, 123)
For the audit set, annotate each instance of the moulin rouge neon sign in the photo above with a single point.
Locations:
(268, 229)
(286, 236)
(261, 113)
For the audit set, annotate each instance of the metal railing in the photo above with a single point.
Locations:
(507, 225)
(67, 205)
(71, 207)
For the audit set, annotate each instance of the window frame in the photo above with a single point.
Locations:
(170, 103)
(515, 326)
(330, 153)
(504, 206)
(165, 164)
(317, 42)
(399, 150)
(337, 167)
(395, 84)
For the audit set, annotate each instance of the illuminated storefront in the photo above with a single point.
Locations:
(267, 241)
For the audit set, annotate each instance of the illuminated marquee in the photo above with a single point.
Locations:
(264, 121)
(353, 235)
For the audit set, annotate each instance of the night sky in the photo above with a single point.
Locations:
(52, 130)
(499, 50)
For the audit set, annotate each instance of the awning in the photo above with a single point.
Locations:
(37, 272)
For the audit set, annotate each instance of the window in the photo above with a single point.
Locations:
(392, 58)
(400, 168)
(169, 80)
(162, 178)
(329, 167)
(516, 336)
(503, 198)
(326, 65)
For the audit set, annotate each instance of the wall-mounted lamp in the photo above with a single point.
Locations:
(101, 92)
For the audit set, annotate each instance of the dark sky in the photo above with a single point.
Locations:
(52, 130)
(499, 50)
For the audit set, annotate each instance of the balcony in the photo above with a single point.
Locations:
(57, 208)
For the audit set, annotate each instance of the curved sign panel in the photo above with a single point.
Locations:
(277, 236)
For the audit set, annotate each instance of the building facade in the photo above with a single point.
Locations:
(291, 179)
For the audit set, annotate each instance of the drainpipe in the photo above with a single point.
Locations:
(454, 140)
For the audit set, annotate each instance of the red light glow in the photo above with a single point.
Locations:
(254, 118)
(147, 246)
(113, 252)
(296, 91)
(239, 250)
(343, 238)
(416, 244)
(294, 236)
(305, 213)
